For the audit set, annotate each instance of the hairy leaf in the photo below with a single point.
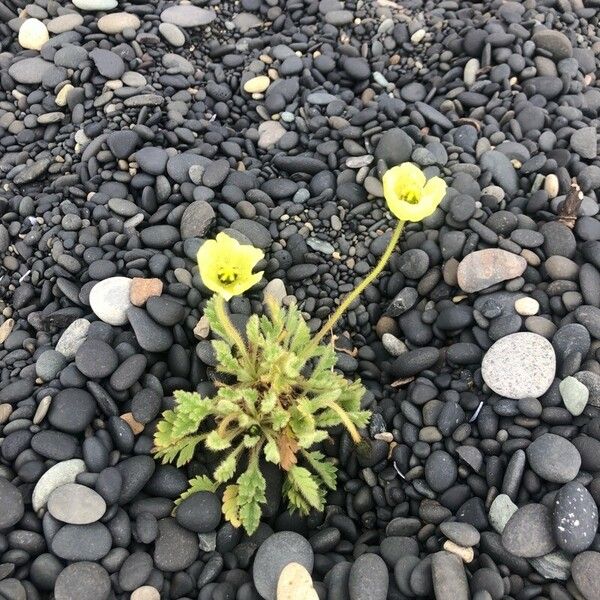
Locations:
(215, 442)
(230, 505)
(251, 494)
(226, 469)
(303, 483)
(272, 452)
(324, 468)
(200, 483)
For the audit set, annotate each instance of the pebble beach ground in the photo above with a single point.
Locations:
(132, 131)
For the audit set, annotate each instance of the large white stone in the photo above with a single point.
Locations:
(33, 34)
(109, 300)
(95, 4)
(519, 365)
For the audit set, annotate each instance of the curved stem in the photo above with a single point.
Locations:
(341, 309)
(229, 327)
(345, 419)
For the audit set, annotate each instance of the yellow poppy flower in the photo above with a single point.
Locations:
(226, 265)
(409, 195)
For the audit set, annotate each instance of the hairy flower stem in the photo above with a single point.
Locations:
(349, 299)
(229, 327)
(348, 424)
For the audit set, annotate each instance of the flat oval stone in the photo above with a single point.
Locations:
(12, 504)
(81, 581)
(64, 23)
(554, 458)
(109, 64)
(76, 504)
(449, 579)
(96, 359)
(257, 84)
(57, 475)
(484, 268)
(585, 570)
(109, 299)
(574, 518)
(72, 410)
(369, 578)
(186, 15)
(150, 335)
(519, 365)
(30, 70)
(116, 22)
(274, 554)
(176, 548)
(200, 512)
(95, 4)
(82, 542)
(528, 532)
(501, 510)
(172, 34)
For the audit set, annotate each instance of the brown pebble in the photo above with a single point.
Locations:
(386, 325)
(136, 427)
(142, 289)
(449, 271)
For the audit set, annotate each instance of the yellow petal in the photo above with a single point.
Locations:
(245, 283)
(434, 190)
(405, 211)
(390, 181)
(206, 255)
(248, 256)
(411, 175)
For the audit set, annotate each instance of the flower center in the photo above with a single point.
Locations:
(227, 274)
(410, 194)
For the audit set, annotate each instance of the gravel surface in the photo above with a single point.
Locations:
(132, 131)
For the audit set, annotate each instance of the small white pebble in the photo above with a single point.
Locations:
(527, 307)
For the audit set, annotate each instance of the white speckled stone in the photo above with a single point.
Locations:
(519, 365)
